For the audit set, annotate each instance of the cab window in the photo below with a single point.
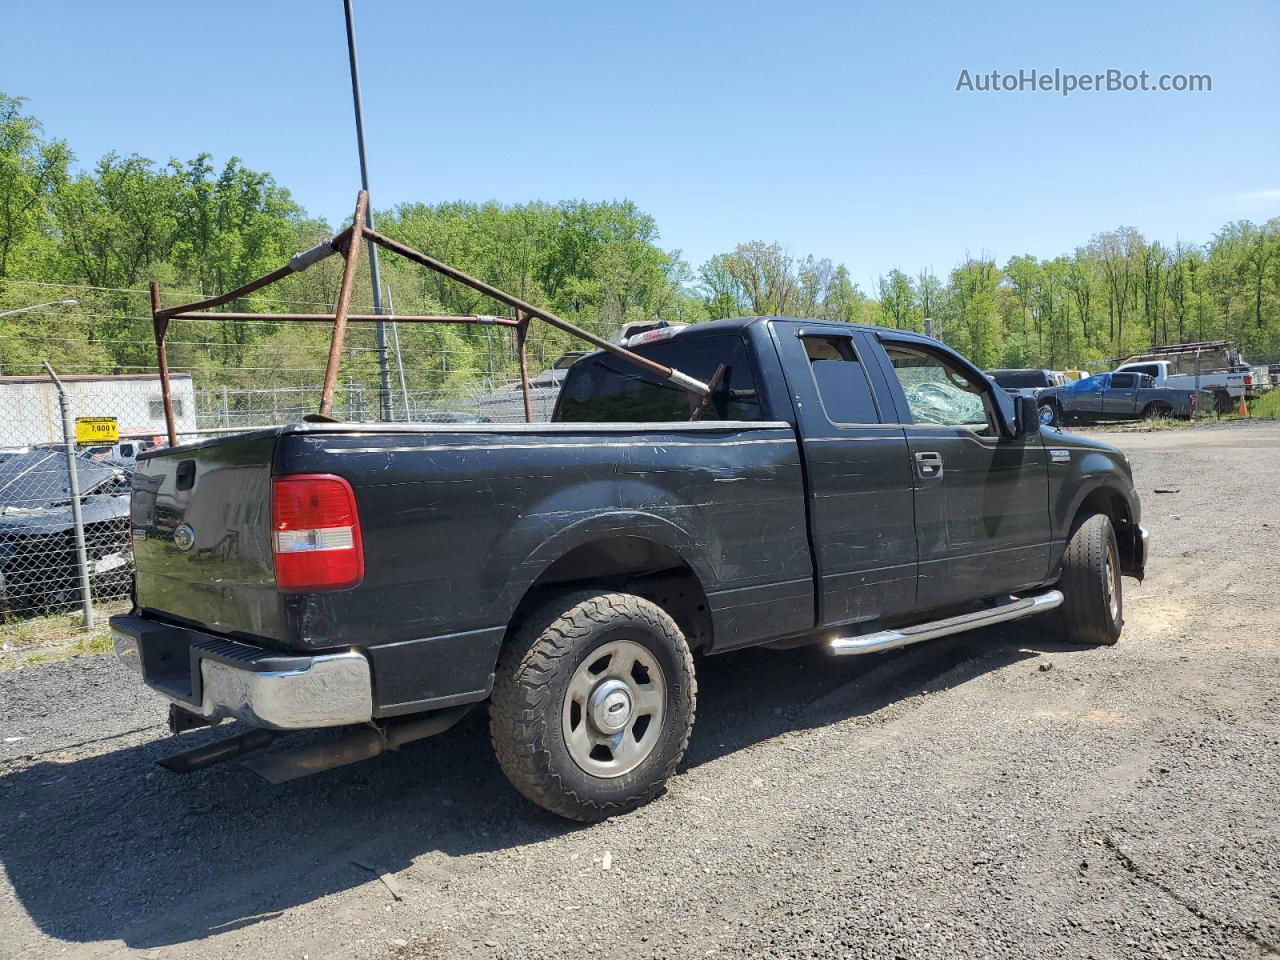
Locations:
(1089, 384)
(602, 388)
(841, 380)
(939, 392)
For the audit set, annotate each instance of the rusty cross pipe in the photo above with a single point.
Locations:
(351, 318)
(522, 331)
(159, 325)
(297, 263)
(352, 255)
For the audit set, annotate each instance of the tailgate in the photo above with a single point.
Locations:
(202, 536)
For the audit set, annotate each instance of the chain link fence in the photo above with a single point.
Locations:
(64, 508)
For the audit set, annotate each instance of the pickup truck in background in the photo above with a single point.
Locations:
(847, 486)
(1112, 396)
(1227, 387)
(507, 404)
(1027, 383)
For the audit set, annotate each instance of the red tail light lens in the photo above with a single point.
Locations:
(315, 533)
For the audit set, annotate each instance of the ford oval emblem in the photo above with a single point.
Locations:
(184, 538)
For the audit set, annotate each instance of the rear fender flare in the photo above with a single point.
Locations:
(537, 553)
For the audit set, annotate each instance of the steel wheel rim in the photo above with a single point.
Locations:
(1112, 586)
(613, 709)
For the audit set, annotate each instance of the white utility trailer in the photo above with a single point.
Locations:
(29, 411)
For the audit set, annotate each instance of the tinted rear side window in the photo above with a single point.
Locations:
(1123, 381)
(842, 382)
(606, 389)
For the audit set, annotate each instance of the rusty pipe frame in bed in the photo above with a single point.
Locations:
(348, 243)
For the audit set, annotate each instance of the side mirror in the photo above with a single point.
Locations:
(1028, 416)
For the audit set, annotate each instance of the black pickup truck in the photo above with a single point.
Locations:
(850, 486)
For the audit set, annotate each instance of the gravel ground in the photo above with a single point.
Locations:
(991, 795)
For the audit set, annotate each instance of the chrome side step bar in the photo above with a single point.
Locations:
(888, 639)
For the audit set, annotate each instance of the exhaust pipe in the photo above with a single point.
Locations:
(218, 752)
(362, 744)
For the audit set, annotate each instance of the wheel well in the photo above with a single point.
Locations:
(1106, 501)
(627, 565)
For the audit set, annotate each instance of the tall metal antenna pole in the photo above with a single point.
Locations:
(375, 276)
(395, 334)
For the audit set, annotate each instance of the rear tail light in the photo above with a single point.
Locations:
(1248, 379)
(315, 533)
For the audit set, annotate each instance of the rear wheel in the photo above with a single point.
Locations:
(1092, 610)
(593, 704)
(1155, 410)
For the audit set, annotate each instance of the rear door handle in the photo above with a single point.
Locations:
(929, 465)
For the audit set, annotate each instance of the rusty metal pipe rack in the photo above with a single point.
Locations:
(347, 243)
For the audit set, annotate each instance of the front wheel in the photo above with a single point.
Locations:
(1050, 416)
(1092, 611)
(593, 703)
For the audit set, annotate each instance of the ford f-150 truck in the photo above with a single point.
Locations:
(1112, 396)
(849, 486)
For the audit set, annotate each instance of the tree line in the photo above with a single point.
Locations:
(200, 228)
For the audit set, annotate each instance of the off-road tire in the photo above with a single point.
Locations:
(1086, 615)
(533, 674)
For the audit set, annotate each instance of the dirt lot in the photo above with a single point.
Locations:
(986, 795)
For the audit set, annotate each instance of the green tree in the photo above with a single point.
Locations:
(31, 169)
(898, 307)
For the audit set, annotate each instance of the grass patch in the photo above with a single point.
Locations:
(1267, 406)
(29, 643)
(1140, 426)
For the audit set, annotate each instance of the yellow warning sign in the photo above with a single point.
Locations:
(97, 431)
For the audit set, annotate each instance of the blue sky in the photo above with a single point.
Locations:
(831, 127)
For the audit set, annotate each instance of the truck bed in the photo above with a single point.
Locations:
(458, 521)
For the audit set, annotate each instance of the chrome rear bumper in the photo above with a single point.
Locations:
(222, 679)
